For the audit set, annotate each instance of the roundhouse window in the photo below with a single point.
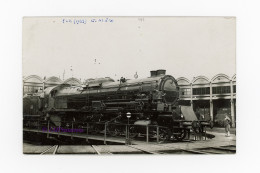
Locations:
(201, 91)
(221, 90)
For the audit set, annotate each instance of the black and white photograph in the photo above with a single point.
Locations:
(129, 85)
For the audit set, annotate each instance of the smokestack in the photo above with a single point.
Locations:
(153, 73)
(157, 72)
(161, 72)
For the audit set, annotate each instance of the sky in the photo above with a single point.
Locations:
(90, 47)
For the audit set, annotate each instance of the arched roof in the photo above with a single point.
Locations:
(220, 78)
(200, 80)
(72, 81)
(53, 79)
(183, 81)
(34, 79)
(234, 78)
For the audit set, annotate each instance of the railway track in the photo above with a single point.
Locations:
(173, 150)
(145, 151)
(206, 150)
(52, 150)
(99, 150)
(219, 150)
(157, 149)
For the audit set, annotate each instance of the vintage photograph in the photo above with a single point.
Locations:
(129, 85)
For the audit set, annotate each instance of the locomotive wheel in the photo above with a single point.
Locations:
(52, 126)
(95, 129)
(182, 135)
(133, 132)
(113, 131)
(133, 135)
(164, 135)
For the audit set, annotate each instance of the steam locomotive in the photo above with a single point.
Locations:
(151, 101)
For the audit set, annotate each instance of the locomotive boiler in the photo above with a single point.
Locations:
(151, 101)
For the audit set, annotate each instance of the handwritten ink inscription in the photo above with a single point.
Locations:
(77, 21)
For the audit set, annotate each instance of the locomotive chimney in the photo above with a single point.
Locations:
(153, 73)
(161, 72)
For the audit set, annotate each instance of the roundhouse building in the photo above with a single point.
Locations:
(73, 81)
(34, 84)
(211, 99)
(52, 81)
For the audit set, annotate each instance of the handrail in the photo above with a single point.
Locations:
(109, 123)
(99, 123)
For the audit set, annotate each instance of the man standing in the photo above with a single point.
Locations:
(227, 125)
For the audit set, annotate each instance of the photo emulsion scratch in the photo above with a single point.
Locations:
(129, 85)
